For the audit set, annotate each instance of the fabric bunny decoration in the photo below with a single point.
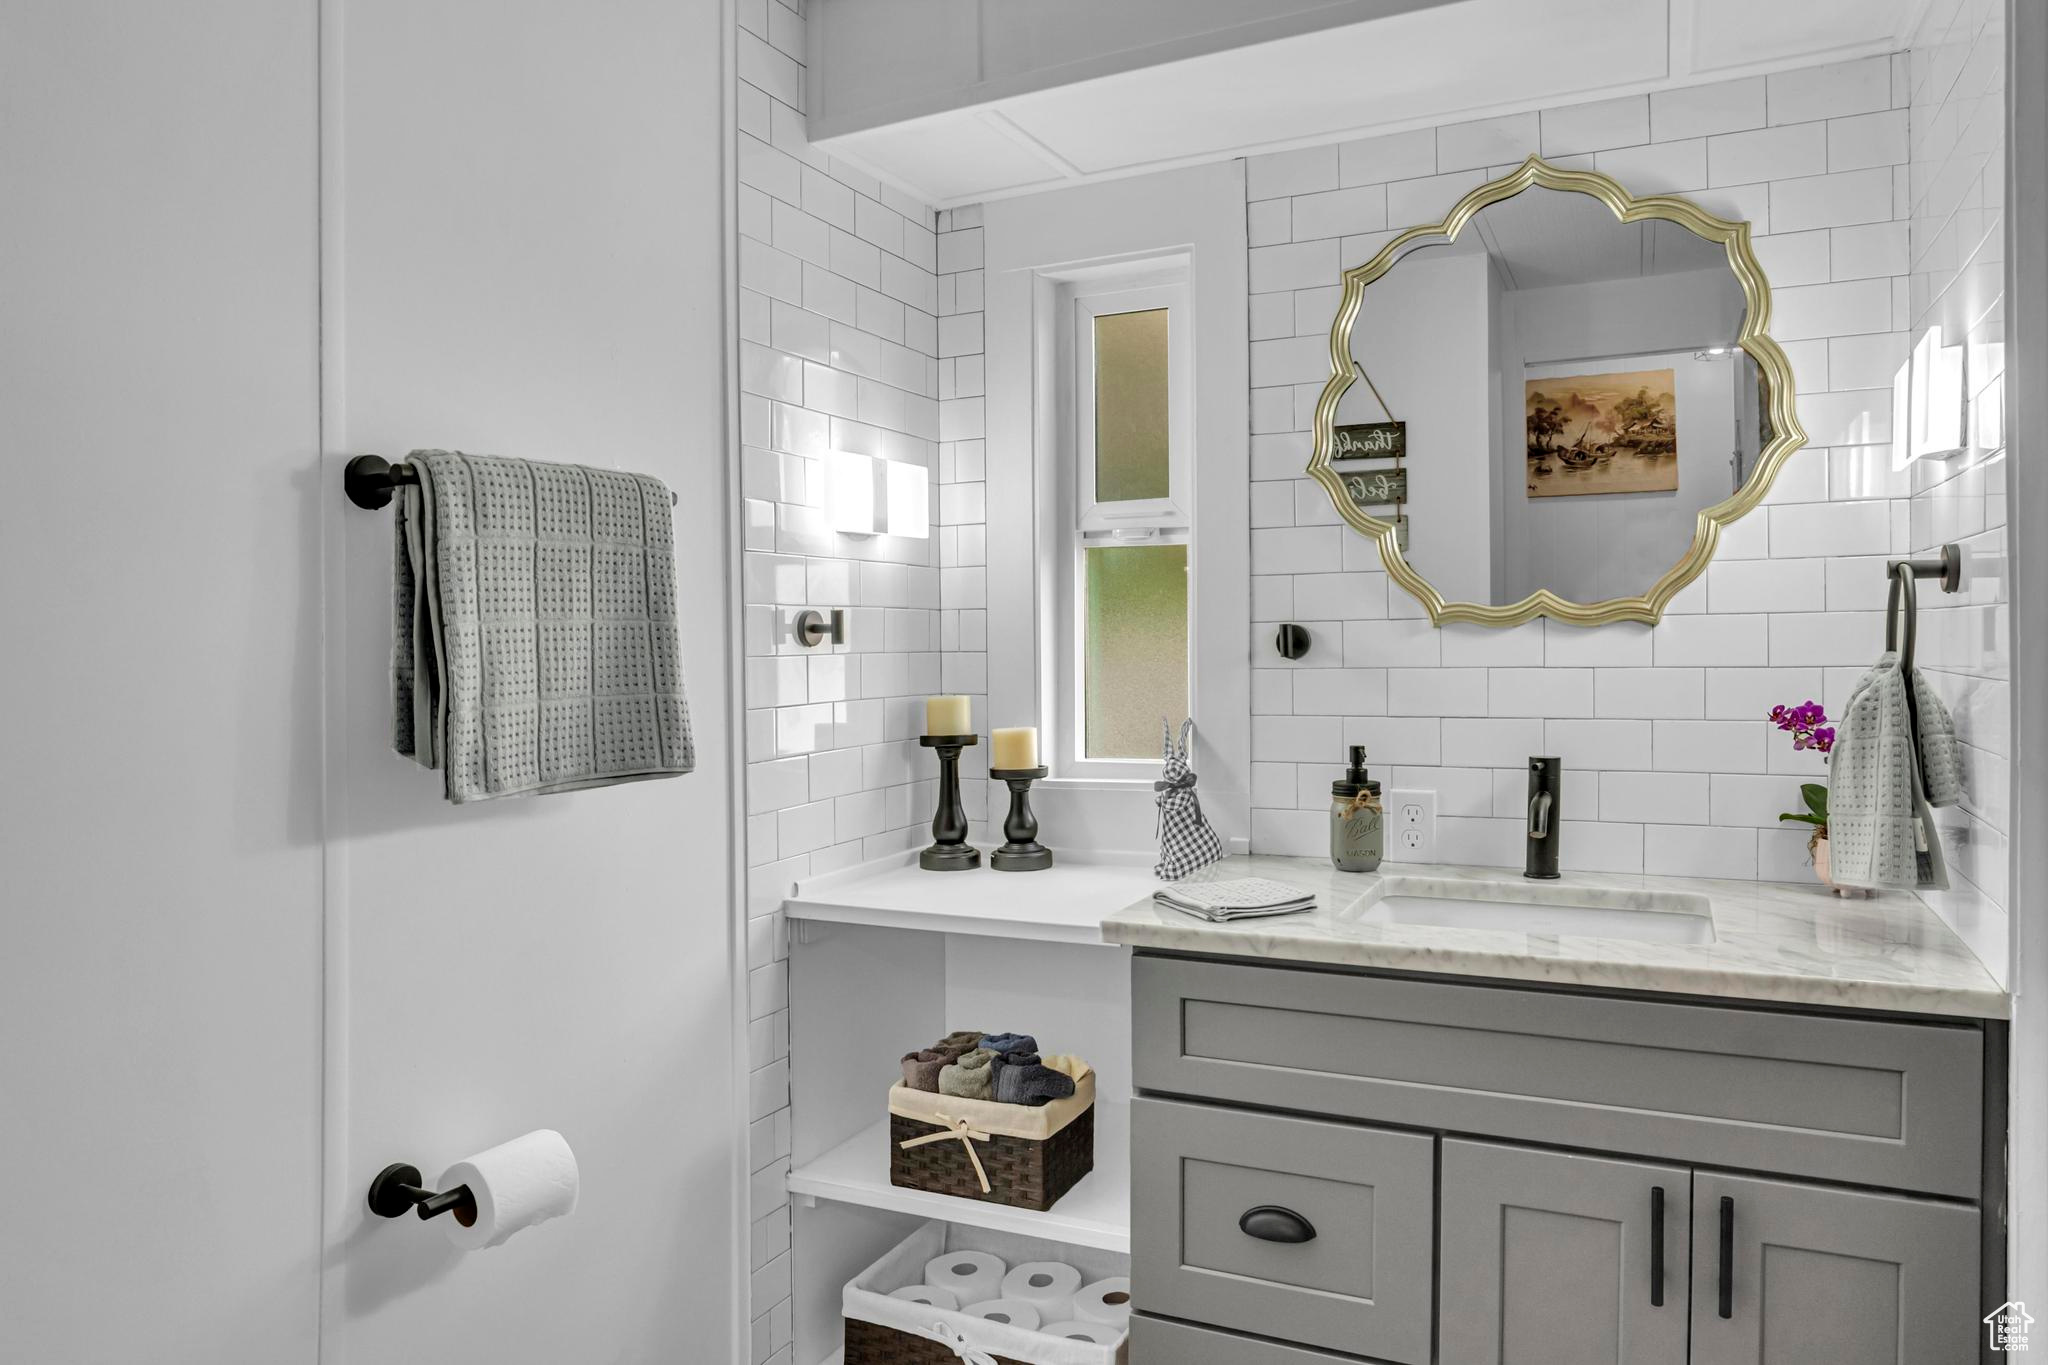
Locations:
(1186, 843)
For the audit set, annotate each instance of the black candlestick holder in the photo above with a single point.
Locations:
(950, 851)
(1023, 852)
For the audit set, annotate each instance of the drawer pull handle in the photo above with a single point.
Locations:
(1657, 1246)
(1727, 1307)
(1271, 1223)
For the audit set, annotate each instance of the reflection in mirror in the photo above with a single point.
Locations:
(1549, 400)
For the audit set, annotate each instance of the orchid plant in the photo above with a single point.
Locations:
(1809, 728)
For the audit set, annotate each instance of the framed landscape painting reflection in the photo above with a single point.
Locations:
(1602, 433)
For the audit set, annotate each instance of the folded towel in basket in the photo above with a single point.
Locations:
(535, 644)
(921, 1069)
(969, 1078)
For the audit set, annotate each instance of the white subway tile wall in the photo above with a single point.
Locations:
(1671, 765)
(860, 330)
(1875, 192)
(1956, 197)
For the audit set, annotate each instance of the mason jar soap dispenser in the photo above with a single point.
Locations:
(1358, 830)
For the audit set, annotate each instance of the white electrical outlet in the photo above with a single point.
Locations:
(1411, 827)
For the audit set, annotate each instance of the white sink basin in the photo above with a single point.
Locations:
(1649, 916)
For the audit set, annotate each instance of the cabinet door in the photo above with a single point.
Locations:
(1550, 1259)
(1787, 1274)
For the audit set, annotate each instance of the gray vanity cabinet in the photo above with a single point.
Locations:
(1501, 1175)
(1554, 1259)
(1818, 1274)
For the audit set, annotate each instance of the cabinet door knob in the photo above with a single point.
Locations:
(1271, 1223)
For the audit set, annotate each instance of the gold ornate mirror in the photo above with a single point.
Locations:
(1557, 401)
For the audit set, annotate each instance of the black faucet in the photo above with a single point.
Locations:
(1546, 816)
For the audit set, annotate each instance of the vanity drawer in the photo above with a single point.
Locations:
(1865, 1101)
(1359, 1282)
(1154, 1342)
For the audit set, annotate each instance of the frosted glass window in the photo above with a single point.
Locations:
(1131, 406)
(1136, 647)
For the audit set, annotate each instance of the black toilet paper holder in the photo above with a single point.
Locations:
(397, 1188)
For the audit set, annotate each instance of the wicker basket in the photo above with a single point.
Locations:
(869, 1343)
(1022, 1172)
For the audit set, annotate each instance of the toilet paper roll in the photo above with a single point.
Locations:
(1048, 1286)
(514, 1185)
(1105, 1301)
(1101, 1333)
(1006, 1310)
(972, 1276)
(924, 1293)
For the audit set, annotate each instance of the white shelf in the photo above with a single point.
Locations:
(1095, 1213)
(1066, 903)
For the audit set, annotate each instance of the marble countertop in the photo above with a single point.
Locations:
(1775, 941)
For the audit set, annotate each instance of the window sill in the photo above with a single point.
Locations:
(1097, 784)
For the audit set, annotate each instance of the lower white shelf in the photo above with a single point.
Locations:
(1095, 1213)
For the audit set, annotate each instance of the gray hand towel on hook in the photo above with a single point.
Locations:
(535, 646)
(1895, 760)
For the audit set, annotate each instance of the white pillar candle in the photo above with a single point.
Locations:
(1013, 748)
(948, 716)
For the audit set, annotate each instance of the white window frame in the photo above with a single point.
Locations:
(1077, 302)
(1034, 246)
(1147, 517)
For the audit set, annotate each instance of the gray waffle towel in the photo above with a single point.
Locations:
(534, 643)
(1885, 779)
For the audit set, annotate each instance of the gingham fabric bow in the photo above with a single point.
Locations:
(1186, 843)
(949, 1336)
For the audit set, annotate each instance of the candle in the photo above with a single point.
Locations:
(1014, 748)
(948, 716)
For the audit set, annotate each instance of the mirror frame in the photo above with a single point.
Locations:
(1754, 340)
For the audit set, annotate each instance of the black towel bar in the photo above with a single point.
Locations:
(369, 479)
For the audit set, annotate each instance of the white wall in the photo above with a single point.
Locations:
(1434, 365)
(2026, 270)
(1956, 182)
(1961, 177)
(249, 955)
(525, 258)
(1670, 765)
(1030, 242)
(1617, 545)
(847, 304)
(159, 584)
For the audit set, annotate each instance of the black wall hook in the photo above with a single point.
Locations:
(1292, 641)
(397, 1188)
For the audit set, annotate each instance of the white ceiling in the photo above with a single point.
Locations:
(1543, 238)
(1470, 59)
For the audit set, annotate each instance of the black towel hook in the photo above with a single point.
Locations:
(1948, 568)
(369, 481)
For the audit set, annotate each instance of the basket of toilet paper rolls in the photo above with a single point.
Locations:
(985, 1116)
(950, 1294)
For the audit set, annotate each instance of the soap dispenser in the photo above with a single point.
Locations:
(1358, 830)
